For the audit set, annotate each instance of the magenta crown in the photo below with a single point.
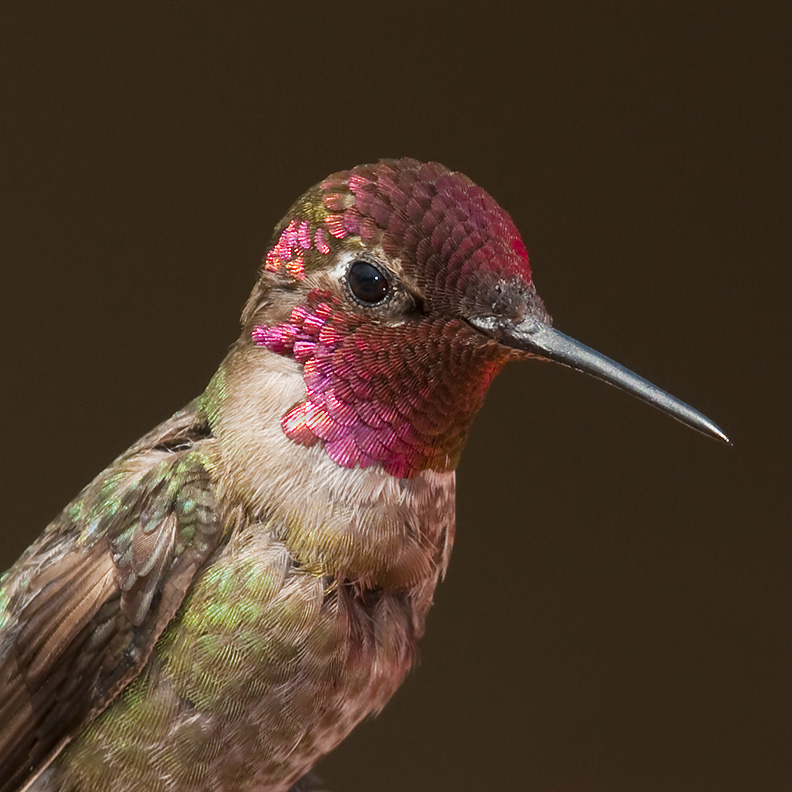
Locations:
(455, 240)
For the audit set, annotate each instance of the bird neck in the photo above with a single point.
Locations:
(359, 525)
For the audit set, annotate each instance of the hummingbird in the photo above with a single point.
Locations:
(222, 605)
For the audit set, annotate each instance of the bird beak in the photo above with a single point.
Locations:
(539, 339)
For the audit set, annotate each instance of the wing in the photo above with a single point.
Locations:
(82, 609)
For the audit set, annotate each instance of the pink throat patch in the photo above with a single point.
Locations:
(401, 396)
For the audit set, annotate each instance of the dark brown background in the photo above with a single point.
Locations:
(617, 612)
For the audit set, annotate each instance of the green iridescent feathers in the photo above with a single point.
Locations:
(82, 609)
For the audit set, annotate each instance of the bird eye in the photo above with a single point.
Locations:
(367, 283)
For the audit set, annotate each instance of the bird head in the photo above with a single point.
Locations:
(402, 288)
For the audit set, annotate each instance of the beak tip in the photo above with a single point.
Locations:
(696, 420)
(723, 436)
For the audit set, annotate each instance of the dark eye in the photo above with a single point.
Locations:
(367, 283)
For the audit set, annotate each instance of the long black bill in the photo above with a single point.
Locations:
(544, 341)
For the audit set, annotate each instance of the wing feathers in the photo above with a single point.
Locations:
(48, 629)
(85, 609)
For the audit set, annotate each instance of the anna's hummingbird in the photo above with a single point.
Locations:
(225, 602)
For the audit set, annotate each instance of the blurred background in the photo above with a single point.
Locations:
(616, 617)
